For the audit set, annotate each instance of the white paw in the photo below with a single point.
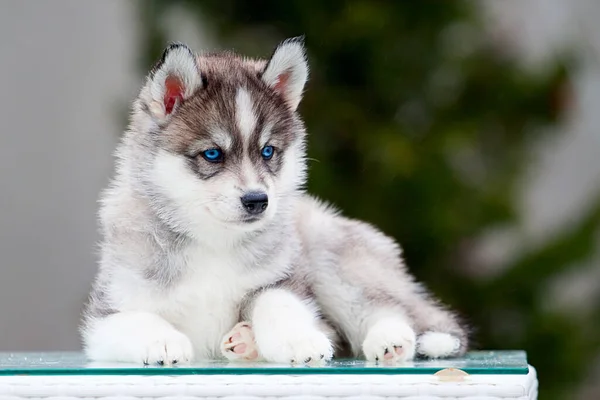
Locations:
(239, 345)
(390, 340)
(436, 344)
(165, 347)
(296, 346)
(137, 338)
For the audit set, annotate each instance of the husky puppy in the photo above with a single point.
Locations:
(206, 224)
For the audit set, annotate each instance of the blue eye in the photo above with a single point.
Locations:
(213, 155)
(267, 152)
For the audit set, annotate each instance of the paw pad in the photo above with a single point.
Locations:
(239, 344)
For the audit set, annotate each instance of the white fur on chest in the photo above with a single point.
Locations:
(204, 302)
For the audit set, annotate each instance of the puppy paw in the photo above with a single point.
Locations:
(437, 345)
(239, 345)
(296, 346)
(168, 347)
(391, 341)
(137, 338)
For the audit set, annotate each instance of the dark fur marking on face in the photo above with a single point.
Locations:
(204, 172)
(270, 110)
(208, 120)
(254, 146)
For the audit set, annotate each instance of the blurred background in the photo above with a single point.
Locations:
(467, 130)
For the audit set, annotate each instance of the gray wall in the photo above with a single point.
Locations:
(64, 67)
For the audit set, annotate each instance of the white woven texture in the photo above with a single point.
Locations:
(253, 387)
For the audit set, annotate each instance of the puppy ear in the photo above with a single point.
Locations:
(173, 79)
(287, 71)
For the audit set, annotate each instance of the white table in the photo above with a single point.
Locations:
(66, 377)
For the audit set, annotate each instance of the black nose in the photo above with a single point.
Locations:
(255, 202)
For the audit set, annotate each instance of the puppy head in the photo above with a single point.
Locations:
(222, 141)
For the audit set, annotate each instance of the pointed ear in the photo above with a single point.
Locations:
(287, 71)
(173, 79)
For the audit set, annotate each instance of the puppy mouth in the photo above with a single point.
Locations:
(250, 220)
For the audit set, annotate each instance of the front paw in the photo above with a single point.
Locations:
(239, 345)
(390, 341)
(168, 347)
(137, 338)
(296, 346)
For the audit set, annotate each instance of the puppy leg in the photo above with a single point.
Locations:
(287, 329)
(136, 337)
(389, 338)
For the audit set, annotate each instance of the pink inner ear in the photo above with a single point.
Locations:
(282, 82)
(173, 93)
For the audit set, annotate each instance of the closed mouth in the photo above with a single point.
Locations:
(250, 220)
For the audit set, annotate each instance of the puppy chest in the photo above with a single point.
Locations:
(204, 301)
(205, 306)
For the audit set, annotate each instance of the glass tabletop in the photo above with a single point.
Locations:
(73, 363)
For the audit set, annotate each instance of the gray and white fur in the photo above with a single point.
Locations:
(206, 224)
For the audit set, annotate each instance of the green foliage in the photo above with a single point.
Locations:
(420, 126)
